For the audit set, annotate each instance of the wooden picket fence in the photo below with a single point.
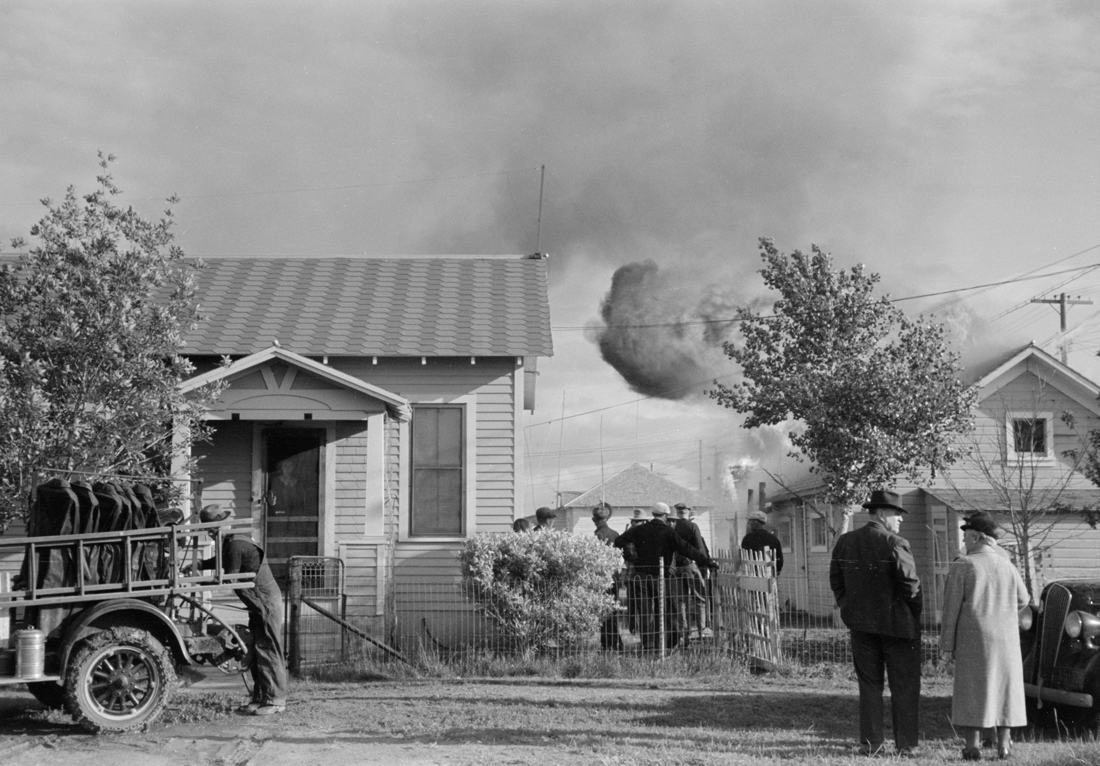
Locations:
(746, 606)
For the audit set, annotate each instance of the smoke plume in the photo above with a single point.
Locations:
(663, 331)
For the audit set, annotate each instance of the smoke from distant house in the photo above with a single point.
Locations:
(663, 331)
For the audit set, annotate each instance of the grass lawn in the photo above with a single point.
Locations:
(727, 718)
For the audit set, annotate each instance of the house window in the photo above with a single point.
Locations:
(783, 532)
(819, 533)
(1030, 435)
(438, 460)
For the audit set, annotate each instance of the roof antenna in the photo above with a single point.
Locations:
(538, 228)
(601, 460)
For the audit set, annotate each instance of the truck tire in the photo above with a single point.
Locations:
(49, 693)
(119, 679)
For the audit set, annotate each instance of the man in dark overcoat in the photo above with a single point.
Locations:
(875, 583)
(759, 539)
(689, 587)
(650, 547)
(609, 630)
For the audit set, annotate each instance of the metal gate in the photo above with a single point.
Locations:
(313, 638)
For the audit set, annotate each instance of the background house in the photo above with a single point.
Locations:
(371, 409)
(1018, 460)
(634, 487)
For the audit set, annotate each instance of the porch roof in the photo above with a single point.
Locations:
(411, 306)
(396, 406)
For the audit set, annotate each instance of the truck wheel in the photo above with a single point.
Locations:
(119, 679)
(50, 694)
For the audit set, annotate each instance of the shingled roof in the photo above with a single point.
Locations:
(438, 306)
(641, 487)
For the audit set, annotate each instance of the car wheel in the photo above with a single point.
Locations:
(49, 693)
(119, 679)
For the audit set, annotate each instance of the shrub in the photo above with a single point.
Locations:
(543, 589)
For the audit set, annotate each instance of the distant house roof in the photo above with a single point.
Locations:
(1048, 368)
(445, 306)
(637, 486)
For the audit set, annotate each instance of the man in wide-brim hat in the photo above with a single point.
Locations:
(874, 580)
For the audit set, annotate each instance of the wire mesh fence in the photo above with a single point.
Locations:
(734, 613)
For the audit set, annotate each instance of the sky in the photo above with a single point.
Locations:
(945, 145)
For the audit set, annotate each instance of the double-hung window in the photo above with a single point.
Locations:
(438, 497)
(1030, 435)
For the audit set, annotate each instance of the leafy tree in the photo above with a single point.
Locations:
(91, 346)
(541, 588)
(877, 394)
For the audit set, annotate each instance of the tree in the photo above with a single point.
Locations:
(877, 394)
(91, 346)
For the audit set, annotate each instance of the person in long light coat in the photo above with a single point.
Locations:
(982, 599)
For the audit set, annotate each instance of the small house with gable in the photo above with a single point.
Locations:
(633, 487)
(370, 408)
(1032, 411)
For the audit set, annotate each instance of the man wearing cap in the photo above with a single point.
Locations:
(264, 604)
(875, 583)
(600, 514)
(609, 631)
(544, 519)
(689, 589)
(759, 539)
(651, 546)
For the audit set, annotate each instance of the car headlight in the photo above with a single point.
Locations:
(1083, 625)
(1027, 618)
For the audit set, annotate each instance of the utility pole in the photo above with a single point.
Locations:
(1063, 302)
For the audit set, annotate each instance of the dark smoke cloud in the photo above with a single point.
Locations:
(663, 330)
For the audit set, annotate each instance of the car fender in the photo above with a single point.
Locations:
(124, 613)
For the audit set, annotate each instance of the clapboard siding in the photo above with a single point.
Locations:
(225, 465)
(350, 449)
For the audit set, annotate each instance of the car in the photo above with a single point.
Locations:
(1060, 643)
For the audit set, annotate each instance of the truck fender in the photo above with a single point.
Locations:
(124, 613)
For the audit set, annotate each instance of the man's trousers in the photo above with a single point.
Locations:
(900, 658)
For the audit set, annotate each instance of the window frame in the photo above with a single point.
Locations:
(818, 521)
(466, 404)
(1048, 435)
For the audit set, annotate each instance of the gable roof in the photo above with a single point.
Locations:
(637, 486)
(397, 406)
(1050, 369)
(446, 306)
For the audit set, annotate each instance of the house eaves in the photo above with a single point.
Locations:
(397, 406)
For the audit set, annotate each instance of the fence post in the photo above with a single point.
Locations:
(661, 637)
(294, 602)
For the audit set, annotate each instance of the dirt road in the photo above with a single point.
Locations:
(541, 723)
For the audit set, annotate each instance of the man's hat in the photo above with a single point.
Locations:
(638, 513)
(984, 523)
(682, 508)
(603, 511)
(758, 516)
(659, 509)
(881, 498)
(214, 512)
(544, 513)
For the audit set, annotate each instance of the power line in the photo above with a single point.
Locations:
(730, 320)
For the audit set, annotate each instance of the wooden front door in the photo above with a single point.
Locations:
(292, 473)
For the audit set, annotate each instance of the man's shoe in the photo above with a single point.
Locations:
(871, 750)
(269, 709)
(972, 754)
(250, 708)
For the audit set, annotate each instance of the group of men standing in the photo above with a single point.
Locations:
(662, 554)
